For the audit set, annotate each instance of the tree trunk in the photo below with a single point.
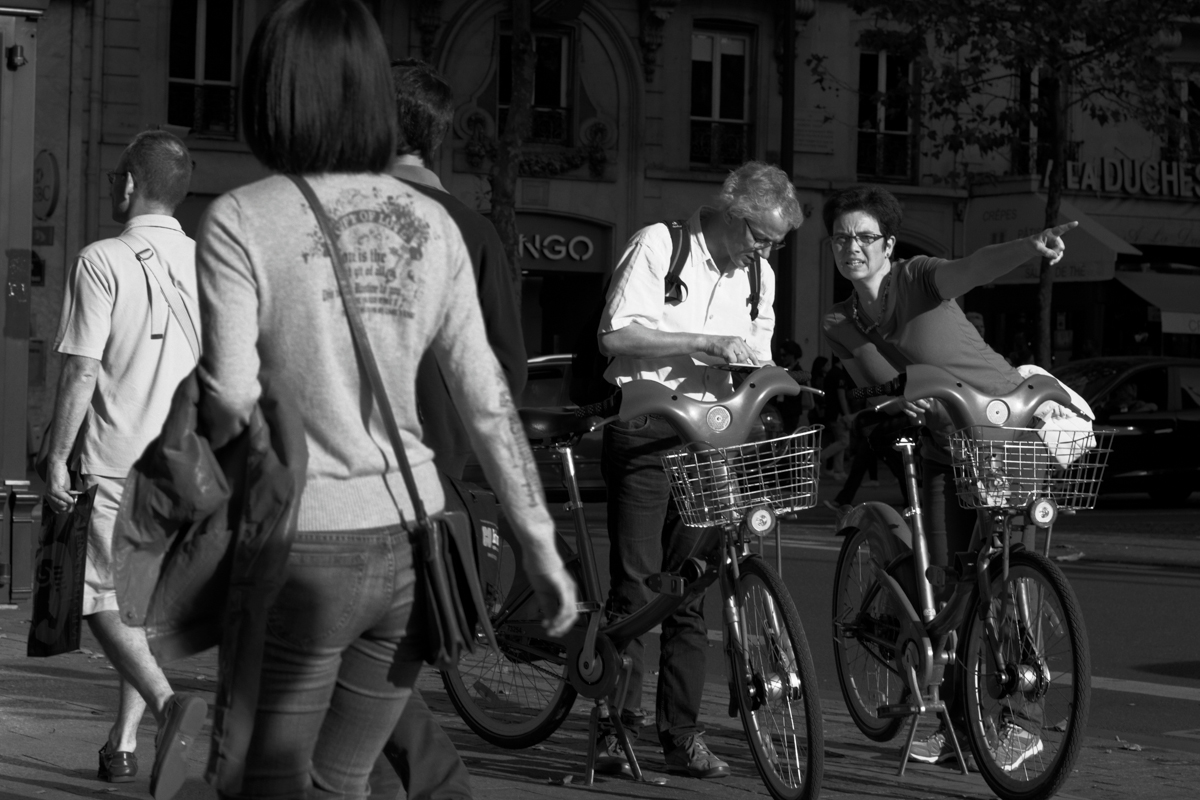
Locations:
(1053, 91)
(505, 171)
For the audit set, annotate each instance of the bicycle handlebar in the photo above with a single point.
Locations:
(970, 406)
(717, 423)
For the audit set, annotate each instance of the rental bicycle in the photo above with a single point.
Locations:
(896, 618)
(732, 488)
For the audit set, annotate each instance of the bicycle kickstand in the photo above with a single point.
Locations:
(614, 717)
(936, 704)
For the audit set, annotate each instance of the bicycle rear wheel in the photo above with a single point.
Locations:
(777, 688)
(1026, 723)
(519, 697)
(866, 625)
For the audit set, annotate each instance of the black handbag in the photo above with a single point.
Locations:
(56, 621)
(447, 580)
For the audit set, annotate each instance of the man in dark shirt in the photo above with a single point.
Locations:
(419, 751)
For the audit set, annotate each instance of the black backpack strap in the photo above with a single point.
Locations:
(755, 285)
(674, 289)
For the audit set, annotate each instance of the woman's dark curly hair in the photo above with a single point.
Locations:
(874, 200)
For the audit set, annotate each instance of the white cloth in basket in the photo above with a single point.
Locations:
(1063, 430)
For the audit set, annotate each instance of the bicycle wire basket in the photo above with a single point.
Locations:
(720, 485)
(1010, 467)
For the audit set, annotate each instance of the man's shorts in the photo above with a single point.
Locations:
(99, 593)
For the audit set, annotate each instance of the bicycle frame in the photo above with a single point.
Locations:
(592, 651)
(927, 638)
(620, 632)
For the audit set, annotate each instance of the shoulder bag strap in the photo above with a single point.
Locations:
(147, 258)
(363, 344)
(887, 349)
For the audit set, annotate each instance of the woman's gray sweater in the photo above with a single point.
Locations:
(271, 311)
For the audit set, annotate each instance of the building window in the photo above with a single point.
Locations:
(551, 86)
(721, 132)
(1183, 142)
(886, 141)
(203, 69)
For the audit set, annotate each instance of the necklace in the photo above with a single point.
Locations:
(856, 306)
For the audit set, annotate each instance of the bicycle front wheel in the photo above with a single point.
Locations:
(1026, 718)
(777, 688)
(866, 626)
(520, 696)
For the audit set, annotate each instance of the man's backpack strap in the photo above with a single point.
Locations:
(674, 289)
(755, 285)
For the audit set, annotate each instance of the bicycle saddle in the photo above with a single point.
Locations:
(719, 423)
(969, 406)
(556, 424)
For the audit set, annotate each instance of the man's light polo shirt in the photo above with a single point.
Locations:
(114, 312)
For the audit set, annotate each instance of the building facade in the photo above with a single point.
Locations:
(641, 107)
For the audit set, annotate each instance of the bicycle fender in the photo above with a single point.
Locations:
(887, 530)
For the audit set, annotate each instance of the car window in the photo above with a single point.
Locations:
(1140, 393)
(1189, 386)
(1087, 379)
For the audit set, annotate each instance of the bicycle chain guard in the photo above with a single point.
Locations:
(599, 678)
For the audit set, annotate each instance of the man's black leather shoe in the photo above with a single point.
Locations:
(117, 766)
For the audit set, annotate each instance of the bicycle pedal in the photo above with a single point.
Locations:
(667, 583)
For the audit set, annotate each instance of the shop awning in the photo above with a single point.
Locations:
(1176, 296)
(1092, 249)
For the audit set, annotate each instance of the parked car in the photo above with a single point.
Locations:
(1156, 402)
(548, 386)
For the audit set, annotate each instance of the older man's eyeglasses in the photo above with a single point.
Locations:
(112, 177)
(865, 240)
(764, 246)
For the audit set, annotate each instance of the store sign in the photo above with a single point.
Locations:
(46, 185)
(1131, 176)
(1180, 322)
(554, 243)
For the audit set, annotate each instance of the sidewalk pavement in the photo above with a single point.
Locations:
(55, 714)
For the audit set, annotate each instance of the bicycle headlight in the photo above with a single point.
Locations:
(761, 520)
(1043, 512)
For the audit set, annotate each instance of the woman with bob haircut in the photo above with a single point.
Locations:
(342, 648)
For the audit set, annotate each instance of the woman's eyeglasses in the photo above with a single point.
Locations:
(865, 240)
(764, 246)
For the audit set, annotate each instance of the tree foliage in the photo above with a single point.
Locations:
(1111, 55)
(1106, 59)
(507, 161)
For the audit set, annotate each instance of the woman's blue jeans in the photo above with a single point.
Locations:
(646, 536)
(342, 655)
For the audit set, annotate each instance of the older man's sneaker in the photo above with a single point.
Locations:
(692, 757)
(1015, 746)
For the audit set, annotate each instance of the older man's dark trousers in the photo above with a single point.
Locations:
(646, 536)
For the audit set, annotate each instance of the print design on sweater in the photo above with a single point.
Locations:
(382, 241)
